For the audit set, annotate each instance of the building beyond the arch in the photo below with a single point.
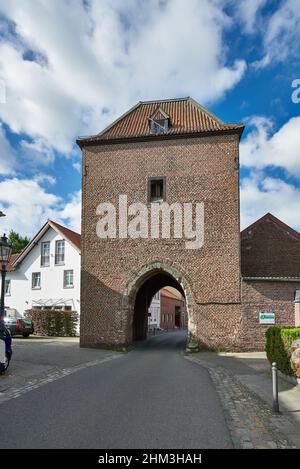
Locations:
(172, 151)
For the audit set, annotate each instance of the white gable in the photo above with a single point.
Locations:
(23, 296)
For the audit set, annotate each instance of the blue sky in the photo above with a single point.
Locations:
(69, 67)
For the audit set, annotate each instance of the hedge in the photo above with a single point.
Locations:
(53, 323)
(278, 347)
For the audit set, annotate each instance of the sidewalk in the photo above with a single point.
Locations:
(243, 382)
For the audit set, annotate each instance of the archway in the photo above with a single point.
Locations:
(140, 290)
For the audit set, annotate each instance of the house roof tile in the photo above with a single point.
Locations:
(268, 217)
(186, 117)
(12, 259)
(170, 294)
(71, 235)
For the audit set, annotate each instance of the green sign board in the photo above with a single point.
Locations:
(267, 318)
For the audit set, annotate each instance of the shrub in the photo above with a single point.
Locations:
(278, 346)
(53, 323)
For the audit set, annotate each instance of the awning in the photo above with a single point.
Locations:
(53, 302)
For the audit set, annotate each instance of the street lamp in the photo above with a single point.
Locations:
(5, 252)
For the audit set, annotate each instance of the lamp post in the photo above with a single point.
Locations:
(5, 252)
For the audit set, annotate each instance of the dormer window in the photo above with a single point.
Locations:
(159, 127)
(159, 122)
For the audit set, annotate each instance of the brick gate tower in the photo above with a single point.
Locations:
(159, 153)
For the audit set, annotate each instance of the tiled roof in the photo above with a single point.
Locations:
(265, 219)
(186, 117)
(12, 259)
(170, 294)
(270, 250)
(71, 235)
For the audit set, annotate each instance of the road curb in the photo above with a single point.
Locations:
(49, 377)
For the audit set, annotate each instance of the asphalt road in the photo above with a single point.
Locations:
(149, 398)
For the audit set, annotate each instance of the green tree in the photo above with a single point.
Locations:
(17, 242)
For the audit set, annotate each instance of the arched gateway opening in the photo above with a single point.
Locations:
(146, 292)
(141, 289)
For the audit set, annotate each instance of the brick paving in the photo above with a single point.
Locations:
(251, 423)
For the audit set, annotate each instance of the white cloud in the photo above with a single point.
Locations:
(107, 54)
(282, 34)
(71, 213)
(41, 178)
(8, 155)
(35, 105)
(77, 166)
(27, 206)
(247, 11)
(261, 194)
(37, 152)
(261, 149)
(32, 154)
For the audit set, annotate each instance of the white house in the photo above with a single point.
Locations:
(46, 274)
(154, 312)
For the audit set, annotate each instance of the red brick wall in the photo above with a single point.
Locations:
(265, 296)
(269, 250)
(240, 323)
(168, 307)
(196, 170)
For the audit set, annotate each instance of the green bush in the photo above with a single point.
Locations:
(53, 323)
(278, 346)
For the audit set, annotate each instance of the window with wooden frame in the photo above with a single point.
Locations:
(157, 189)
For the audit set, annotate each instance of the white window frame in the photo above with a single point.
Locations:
(60, 242)
(43, 264)
(35, 275)
(66, 272)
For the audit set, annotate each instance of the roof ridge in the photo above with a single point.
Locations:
(72, 236)
(48, 224)
(63, 226)
(275, 220)
(112, 124)
(206, 111)
(213, 116)
(189, 116)
(165, 100)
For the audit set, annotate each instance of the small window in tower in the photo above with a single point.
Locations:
(157, 189)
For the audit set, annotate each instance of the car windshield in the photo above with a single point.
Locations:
(12, 314)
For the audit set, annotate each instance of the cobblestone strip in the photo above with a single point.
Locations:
(46, 378)
(250, 421)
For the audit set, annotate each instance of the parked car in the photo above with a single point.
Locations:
(5, 347)
(17, 324)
